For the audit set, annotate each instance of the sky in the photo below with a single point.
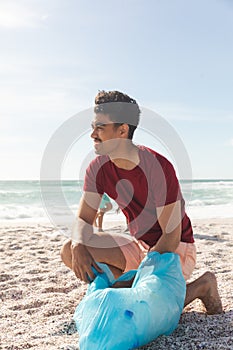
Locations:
(174, 57)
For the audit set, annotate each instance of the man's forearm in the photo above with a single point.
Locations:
(168, 242)
(81, 232)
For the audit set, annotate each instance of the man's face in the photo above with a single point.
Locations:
(105, 134)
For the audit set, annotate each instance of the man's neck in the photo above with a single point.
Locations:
(127, 157)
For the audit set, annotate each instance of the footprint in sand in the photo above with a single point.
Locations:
(40, 252)
(5, 277)
(38, 279)
(14, 246)
(43, 261)
(35, 304)
(36, 271)
(12, 294)
(57, 289)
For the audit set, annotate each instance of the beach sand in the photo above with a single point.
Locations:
(39, 294)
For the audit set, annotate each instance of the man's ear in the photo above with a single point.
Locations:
(124, 130)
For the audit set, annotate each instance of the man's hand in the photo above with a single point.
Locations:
(82, 263)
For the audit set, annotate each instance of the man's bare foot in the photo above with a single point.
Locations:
(211, 298)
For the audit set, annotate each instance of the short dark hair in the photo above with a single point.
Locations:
(121, 109)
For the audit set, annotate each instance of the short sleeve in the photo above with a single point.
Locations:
(92, 179)
(165, 186)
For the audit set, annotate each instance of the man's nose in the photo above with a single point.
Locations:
(93, 134)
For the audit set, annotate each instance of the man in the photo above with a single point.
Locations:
(145, 187)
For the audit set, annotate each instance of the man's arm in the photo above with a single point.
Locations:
(169, 218)
(88, 207)
(82, 260)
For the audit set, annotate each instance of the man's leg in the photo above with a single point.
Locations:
(205, 288)
(104, 249)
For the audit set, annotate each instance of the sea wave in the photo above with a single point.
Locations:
(15, 212)
(22, 199)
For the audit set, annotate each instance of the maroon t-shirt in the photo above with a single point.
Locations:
(138, 192)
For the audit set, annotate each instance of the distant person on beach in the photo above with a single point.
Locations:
(127, 226)
(144, 185)
(105, 206)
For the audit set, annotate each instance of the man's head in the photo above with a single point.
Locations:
(120, 108)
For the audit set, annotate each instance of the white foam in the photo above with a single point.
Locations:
(210, 211)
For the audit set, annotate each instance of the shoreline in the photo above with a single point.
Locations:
(107, 223)
(39, 294)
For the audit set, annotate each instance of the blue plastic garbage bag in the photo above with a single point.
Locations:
(126, 318)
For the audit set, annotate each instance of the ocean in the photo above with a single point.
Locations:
(23, 200)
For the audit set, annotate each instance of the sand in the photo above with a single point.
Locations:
(38, 294)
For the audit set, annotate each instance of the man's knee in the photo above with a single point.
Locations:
(66, 253)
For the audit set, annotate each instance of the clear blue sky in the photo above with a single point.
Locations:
(174, 57)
